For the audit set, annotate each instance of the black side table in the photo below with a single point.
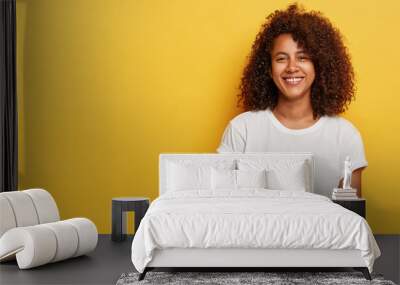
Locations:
(125, 204)
(356, 205)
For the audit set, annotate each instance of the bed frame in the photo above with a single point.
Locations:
(248, 259)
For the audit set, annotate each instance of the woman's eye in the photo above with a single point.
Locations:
(303, 58)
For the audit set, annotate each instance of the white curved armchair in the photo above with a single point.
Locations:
(31, 230)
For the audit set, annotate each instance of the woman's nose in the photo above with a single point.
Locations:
(292, 66)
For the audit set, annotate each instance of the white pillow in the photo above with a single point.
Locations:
(281, 174)
(287, 179)
(251, 178)
(236, 179)
(223, 178)
(188, 177)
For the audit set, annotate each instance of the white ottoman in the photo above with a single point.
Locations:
(31, 232)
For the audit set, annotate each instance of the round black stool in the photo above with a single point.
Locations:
(125, 204)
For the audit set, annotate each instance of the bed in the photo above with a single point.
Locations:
(244, 211)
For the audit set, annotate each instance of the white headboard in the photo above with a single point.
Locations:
(215, 158)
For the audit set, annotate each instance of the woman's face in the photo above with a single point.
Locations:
(292, 69)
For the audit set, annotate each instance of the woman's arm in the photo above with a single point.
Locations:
(355, 180)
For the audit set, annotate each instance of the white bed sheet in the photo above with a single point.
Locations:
(250, 218)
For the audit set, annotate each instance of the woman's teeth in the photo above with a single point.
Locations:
(293, 80)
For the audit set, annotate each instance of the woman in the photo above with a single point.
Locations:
(299, 78)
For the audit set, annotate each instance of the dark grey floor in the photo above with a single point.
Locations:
(111, 259)
(389, 262)
(103, 266)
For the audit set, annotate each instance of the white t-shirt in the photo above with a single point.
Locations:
(330, 140)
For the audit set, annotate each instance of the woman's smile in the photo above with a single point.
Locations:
(293, 81)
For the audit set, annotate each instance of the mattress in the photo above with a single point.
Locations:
(253, 218)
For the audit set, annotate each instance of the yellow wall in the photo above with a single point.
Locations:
(104, 86)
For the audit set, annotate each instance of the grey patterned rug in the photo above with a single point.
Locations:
(230, 278)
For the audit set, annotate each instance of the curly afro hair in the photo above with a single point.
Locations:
(333, 87)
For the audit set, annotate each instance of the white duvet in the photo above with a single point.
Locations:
(250, 218)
